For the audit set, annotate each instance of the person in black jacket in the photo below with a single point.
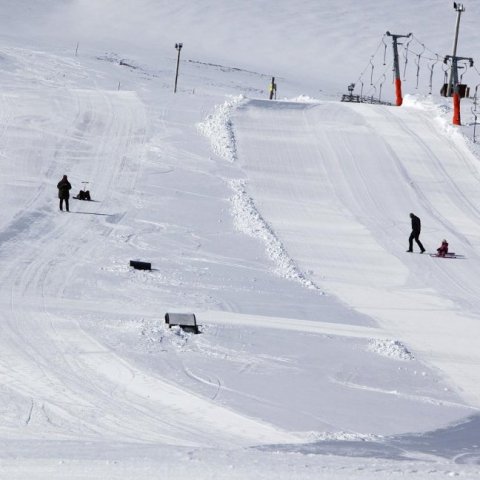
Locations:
(416, 227)
(64, 192)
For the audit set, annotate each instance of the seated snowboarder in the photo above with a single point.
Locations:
(84, 195)
(443, 249)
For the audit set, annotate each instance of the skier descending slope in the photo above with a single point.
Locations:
(416, 227)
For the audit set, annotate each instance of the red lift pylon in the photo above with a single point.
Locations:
(396, 67)
(456, 85)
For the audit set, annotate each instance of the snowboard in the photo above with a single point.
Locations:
(91, 200)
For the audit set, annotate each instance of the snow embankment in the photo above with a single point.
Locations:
(247, 219)
(218, 128)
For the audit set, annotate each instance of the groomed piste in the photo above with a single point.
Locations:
(324, 350)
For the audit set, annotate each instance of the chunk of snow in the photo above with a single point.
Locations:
(390, 348)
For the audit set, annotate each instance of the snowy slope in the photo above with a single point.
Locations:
(322, 46)
(326, 350)
(337, 188)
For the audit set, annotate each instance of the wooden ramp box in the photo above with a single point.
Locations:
(140, 265)
(186, 321)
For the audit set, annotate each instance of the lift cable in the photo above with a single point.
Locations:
(417, 62)
(369, 64)
(405, 55)
(384, 50)
(431, 66)
(379, 81)
(384, 77)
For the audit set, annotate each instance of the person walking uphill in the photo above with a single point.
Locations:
(416, 227)
(64, 192)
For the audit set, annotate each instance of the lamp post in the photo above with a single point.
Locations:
(178, 47)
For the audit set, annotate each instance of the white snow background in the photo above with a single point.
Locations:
(326, 351)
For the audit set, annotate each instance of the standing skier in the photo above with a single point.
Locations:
(416, 227)
(64, 192)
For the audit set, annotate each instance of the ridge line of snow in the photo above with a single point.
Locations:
(217, 127)
(247, 219)
(397, 393)
(292, 324)
(439, 112)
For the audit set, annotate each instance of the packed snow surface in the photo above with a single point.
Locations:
(325, 350)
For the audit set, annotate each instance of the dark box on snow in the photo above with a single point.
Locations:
(186, 321)
(140, 265)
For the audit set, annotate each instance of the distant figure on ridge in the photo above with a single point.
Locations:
(443, 249)
(64, 192)
(273, 89)
(416, 227)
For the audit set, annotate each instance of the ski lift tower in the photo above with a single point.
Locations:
(396, 67)
(456, 86)
(459, 8)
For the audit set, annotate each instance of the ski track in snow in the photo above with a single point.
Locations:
(319, 189)
(70, 384)
(396, 393)
(71, 407)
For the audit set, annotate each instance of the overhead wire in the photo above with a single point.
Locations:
(466, 65)
(384, 77)
(476, 69)
(431, 66)
(417, 62)
(445, 69)
(405, 54)
(426, 48)
(371, 58)
(414, 46)
(418, 48)
(371, 73)
(380, 80)
(384, 50)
